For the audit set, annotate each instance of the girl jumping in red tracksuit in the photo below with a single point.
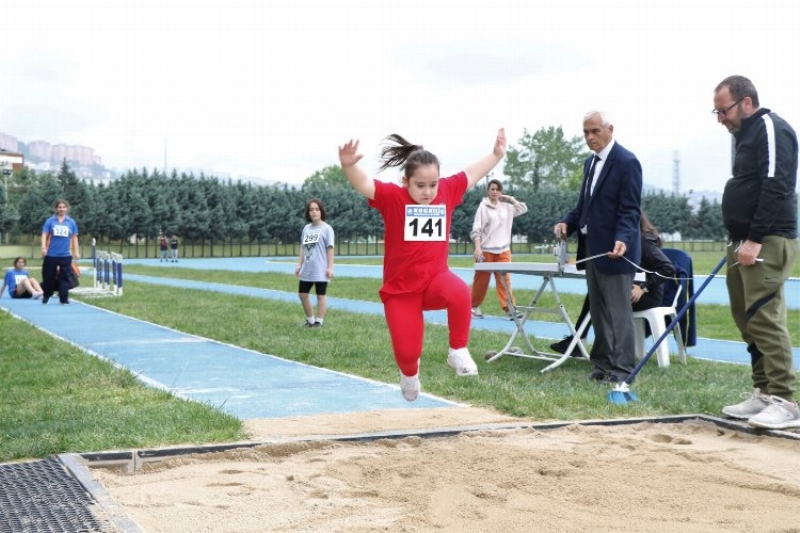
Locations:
(416, 277)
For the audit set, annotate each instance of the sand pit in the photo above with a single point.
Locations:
(689, 477)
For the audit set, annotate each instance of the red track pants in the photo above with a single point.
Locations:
(407, 324)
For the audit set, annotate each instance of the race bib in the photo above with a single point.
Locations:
(311, 237)
(60, 231)
(425, 223)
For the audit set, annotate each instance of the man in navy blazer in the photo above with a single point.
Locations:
(606, 220)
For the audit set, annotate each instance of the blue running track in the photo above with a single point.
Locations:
(714, 293)
(251, 385)
(241, 382)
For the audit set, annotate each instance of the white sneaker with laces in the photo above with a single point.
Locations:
(779, 414)
(477, 313)
(409, 386)
(754, 403)
(462, 361)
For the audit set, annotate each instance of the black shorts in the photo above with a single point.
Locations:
(305, 287)
(25, 294)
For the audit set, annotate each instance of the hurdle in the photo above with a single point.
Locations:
(105, 274)
(108, 272)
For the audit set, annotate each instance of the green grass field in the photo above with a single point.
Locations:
(58, 399)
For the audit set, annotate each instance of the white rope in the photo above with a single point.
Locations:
(653, 272)
(592, 257)
(642, 269)
(638, 267)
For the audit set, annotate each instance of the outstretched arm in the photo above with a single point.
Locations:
(349, 158)
(476, 171)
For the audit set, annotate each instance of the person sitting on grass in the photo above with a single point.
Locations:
(19, 283)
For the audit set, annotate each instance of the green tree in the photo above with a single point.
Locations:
(112, 225)
(214, 194)
(37, 204)
(8, 214)
(193, 204)
(10, 194)
(136, 218)
(20, 182)
(668, 213)
(170, 220)
(464, 216)
(256, 216)
(284, 217)
(244, 204)
(88, 214)
(161, 203)
(706, 222)
(71, 186)
(546, 160)
(330, 176)
(544, 210)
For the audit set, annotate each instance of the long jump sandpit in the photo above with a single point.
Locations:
(459, 470)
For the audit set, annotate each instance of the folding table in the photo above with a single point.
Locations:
(520, 313)
(549, 272)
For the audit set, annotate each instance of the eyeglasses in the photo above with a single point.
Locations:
(723, 112)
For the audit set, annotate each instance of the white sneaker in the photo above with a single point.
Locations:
(477, 313)
(409, 386)
(462, 361)
(37, 295)
(779, 414)
(754, 403)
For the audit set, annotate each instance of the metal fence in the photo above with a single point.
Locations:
(192, 249)
(189, 249)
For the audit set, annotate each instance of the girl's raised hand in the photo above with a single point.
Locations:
(348, 154)
(500, 144)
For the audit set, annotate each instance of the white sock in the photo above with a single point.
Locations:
(310, 319)
(320, 320)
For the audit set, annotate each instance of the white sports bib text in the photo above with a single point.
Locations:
(311, 237)
(425, 223)
(60, 230)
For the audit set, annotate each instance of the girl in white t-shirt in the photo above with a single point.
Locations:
(315, 265)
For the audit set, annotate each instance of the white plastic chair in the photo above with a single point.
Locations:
(658, 318)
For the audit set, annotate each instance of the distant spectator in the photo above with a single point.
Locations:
(315, 265)
(491, 233)
(59, 247)
(163, 245)
(173, 244)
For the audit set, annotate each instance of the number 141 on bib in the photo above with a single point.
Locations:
(426, 223)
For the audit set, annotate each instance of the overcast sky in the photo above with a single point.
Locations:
(270, 89)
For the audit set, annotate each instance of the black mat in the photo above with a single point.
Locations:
(42, 496)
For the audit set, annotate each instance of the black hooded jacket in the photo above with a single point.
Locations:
(759, 199)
